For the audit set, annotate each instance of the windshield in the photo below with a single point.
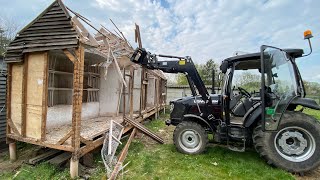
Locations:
(279, 73)
(280, 85)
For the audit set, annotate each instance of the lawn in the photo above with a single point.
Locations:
(164, 162)
(149, 160)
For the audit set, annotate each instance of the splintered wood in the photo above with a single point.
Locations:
(110, 145)
(144, 130)
(137, 126)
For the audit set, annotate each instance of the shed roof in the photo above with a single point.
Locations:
(52, 29)
(56, 29)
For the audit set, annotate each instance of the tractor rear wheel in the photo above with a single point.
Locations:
(190, 138)
(294, 147)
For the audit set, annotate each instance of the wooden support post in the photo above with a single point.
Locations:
(124, 94)
(131, 91)
(13, 151)
(74, 168)
(24, 96)
(44, 98)
(156, 85)
(76, 109)
(141, 90)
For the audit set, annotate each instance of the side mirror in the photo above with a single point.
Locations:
(224, 67)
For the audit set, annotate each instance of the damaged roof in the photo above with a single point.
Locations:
(56, 29)
(52, 29)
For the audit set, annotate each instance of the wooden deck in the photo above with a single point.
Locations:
(90, 129)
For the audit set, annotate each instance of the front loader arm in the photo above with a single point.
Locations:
(183, 65)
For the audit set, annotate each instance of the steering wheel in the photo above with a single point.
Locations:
(244, 92)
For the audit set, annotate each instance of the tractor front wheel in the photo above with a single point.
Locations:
(190, 138)
(294, 147)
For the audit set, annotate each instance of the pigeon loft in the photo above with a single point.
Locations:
(65, 85)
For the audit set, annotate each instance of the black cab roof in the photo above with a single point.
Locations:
(296, 53)
(252, 60)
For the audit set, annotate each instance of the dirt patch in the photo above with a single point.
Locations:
(165, 133)
(315, 174)
(23, 154)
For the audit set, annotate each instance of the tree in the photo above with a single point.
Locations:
(247, 80)
(205, 72)
(8, 29)
(312, 88)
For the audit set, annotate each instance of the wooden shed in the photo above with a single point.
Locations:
(65, 85)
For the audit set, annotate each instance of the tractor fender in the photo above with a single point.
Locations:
(251, 116)
(195, 118)
(305, 102)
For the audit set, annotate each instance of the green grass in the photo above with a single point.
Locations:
(312, 112)
(41, 171)
(164, 162)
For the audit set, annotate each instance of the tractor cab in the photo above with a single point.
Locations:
(270, 79)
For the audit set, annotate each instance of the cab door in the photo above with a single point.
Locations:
(278, 85)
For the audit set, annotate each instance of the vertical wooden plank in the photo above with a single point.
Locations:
(8, 103)
(156, 82)
(75, 83)
(141, 91)
(131, 91)
(44, 98)
(145, 89)
(76, 109)
(124, 94)
(77, 100)
(35, 95)
(24, 96)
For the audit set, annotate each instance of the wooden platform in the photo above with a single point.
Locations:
(90, 129)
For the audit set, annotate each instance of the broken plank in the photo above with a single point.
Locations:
(144, 130)
(42, 157)
(60, 159)
(85, 141)
(70, 56)
(67, 136)
(122, 156)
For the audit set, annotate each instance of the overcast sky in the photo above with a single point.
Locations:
(202, 29)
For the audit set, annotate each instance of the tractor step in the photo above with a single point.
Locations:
(238, 133)
(237, 148)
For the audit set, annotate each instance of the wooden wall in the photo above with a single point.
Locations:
(28, 94)
(16, 96)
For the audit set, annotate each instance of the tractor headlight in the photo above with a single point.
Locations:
(171, 107)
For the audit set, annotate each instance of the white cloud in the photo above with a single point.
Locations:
(207, 29)
(214, 29)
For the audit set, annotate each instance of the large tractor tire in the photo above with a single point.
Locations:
(294, 147)
(190, 138)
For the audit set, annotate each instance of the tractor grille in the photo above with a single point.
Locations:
(178, 111)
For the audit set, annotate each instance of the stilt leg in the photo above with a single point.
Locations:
(74, 168)
(13, 151)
